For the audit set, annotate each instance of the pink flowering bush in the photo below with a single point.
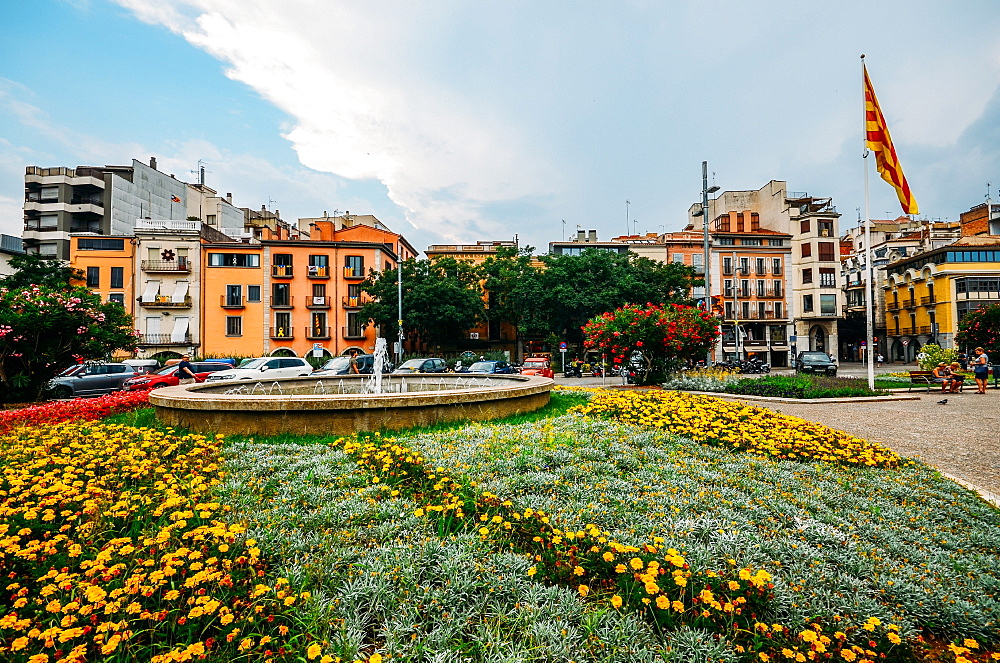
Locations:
(981, 328)
(665, 336)
(45, 328)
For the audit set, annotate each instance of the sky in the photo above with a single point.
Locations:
(457, 122)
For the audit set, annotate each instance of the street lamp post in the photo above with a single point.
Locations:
(703, 213)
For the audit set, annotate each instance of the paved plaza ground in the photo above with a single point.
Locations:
(960, 438)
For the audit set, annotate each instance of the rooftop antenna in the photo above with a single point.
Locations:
(564, 229)
(270, 202)
(627, 203)
(200, 172)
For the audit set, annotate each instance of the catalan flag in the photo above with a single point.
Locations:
(877, 138)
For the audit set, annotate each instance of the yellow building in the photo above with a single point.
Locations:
(928, 294)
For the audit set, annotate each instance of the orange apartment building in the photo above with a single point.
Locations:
(196, 290)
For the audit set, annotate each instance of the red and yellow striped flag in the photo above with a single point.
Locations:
(877, 137)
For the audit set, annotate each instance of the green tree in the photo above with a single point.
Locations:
(33, 269)
(512, 287)
(44, 328)
(573, 289)
(981, 328)
(442, 299)
(663, 336)
(935, 354)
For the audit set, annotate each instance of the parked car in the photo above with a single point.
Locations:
(167, 376)
(342, 366)
(537, 366)
(493, 367)
(264, 368)
(91, 379)
(143, 365)
(815, 362)
(430, 365)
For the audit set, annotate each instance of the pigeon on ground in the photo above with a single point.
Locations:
(943, 401)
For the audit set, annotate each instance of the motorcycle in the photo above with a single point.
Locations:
(597, 371)
(572, 371)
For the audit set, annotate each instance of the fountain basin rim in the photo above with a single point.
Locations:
(198, 396)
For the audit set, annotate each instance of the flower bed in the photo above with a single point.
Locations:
(80, 409)
(113, 549)
(802, 386)
(737, 426)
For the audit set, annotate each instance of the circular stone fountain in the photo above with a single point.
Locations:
(347, 404)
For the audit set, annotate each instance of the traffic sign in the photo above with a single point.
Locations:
(563, 345)
(906, 341)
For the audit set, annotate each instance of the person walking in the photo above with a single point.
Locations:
(354, 370)
(185, 372)
(981, 370)
(879, 360)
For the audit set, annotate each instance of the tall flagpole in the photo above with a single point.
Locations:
(869, 272)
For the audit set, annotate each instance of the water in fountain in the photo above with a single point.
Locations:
(255, 385)
(275, 385)
(378, 363)
(319, 388)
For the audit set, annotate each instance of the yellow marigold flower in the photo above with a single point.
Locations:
(848, 655)
(609, 556)
(313, 651)
(484, 531)
(39, 658)
(22, 642)
(808, 636)
(578, 571)
(734, 586)
(678, 606)
(894, 638)
(635, 563)
(662, 602)
(616, 601)
(764, 657)
(583, 589)
(620, 568)
(970, 643)
(533, 570)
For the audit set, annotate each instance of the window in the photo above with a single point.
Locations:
(827, 277)
(807, 303)
(117, 277)
(761, 310)
(726, 241)
(728, 288)
(354, 265)
(777, 288)
(318, 325)
(93, 277)
(804, 226)
(90, 244)
(234, 295)
(234, 260)
(745, 288)
(354, 290)
(761, 291)
(825, 228)
(283, 259)
(253, 293)
(777, 310)
(727, 265)
(761, 266)
(283, 324)
(746, 310)
(777, 332)
(746, 241)
(807, 276)
(210, 219)
(827, 252)
(319, 290)
(697, 259)
(678, 258)
(234, 325)
(744, 266)
(828, 304)
(281, 294)
(117, 297)
(355, 326)
(775, 242)
(806, 249)
(319, 265)
(729, 310)
(776, 266)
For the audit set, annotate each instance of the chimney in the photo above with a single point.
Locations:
(152, 162)
(592, 236)
(581, 235)
(229, 198)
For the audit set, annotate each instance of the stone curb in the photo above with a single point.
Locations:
(991, 498)
(806, 401)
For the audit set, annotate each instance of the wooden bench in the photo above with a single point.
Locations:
(921, 379)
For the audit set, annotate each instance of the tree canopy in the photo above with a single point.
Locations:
(442, 299)
(32, 269)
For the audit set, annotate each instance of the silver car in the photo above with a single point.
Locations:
(91, 379)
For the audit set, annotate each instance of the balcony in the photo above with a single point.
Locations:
(282, 333)
(355, 302)
(924, 329)
(282, 271)
(149, 340)
(318, 302)
(282, 302)
(353, 332)
(81, 200)
(163, 301)
(318, 272)
(179, 265)
(892, 306)
(925, 301)
(910, 303)
(317, 333)
(232, 302)
(351, 273)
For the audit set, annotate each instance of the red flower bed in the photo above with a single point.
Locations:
(80, 409)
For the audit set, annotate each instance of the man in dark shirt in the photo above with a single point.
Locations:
(185, 372)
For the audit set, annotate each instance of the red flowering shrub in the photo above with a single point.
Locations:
(80, 409)
(664, 336)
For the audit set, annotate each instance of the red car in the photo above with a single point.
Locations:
(167, 376)
(537, 366)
